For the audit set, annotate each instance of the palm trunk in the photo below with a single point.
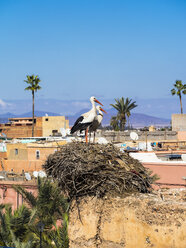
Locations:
(181, 104)
(32, 113)
(122, 124)
(128, 124)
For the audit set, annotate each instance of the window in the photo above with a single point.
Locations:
(54, 132)
(37, 154)
(16, 151)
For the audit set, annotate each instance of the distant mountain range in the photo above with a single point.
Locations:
(136, 119)
(160, 107)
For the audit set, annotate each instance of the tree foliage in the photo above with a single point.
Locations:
(124, 108)
(14, 225)
(178, 90)
(33, 83)
(114, 123)
(50, 203)
(33, 86)
(19, 228)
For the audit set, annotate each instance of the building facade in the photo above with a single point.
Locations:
(20, 158)
(43, 126)
(179, 122)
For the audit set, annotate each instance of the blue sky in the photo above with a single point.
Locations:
(80, 48)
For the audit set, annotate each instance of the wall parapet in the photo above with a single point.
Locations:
(120, 136)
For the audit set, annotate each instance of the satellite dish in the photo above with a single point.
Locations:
(134, 136)
(28, 177)
(4, 135)
(82, 133)
(68, 131)
(41, 174)
(63, 132)
(35, 174)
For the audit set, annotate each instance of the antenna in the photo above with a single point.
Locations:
(134, 136)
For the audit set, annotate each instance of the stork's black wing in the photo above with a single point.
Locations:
(76, 125)
(93, 127)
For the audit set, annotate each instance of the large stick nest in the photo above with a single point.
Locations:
(96, 170)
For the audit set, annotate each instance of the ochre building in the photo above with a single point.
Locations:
(28, 157)
(44, 126)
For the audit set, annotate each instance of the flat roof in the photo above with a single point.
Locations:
(22, 118)
(28, 118)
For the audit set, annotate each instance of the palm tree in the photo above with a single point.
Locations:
(33, 82)
(123, 107)
(59, 235)
(114, 123)
(48, 207)
(19, 228)
(178, 89)
(129, 106)
(14, 226)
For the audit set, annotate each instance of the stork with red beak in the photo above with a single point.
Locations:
(86, 119)
(97, 121)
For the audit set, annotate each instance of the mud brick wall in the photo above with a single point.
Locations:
(139, 221)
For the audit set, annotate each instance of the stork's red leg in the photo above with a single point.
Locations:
(86, 135)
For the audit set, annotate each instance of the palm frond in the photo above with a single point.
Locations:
(33, 82)
(28, 196)
(124, 107)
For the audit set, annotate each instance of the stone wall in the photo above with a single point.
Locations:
(8, 195)
(181, 135)
(17, 166)
(179, 122)
(143, 135)
(138, 221)
(20, 130)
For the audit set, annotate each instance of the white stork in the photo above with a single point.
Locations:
(97, 121)
(86, 119)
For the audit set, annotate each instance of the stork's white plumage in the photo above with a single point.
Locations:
(86, 119)
(97, 120)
